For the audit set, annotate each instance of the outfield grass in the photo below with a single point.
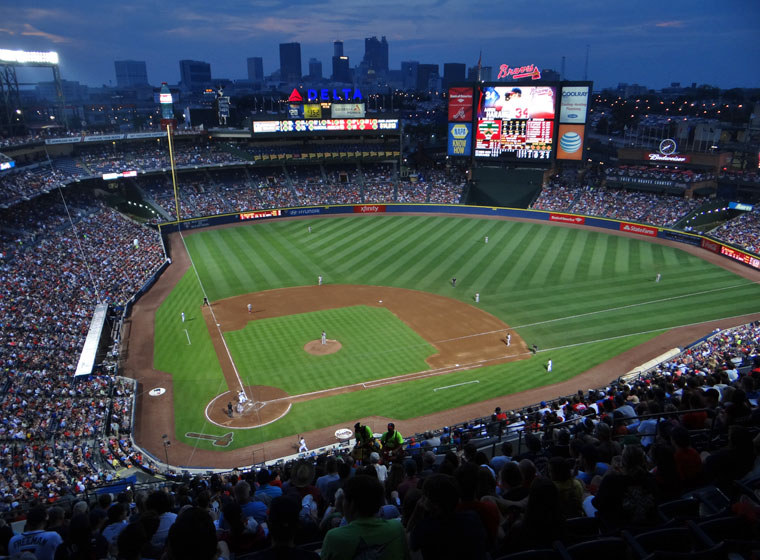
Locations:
(587, 295)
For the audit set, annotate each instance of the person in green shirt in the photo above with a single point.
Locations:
(365, 536)
(393, 443)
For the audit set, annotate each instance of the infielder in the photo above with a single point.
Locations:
(319, 280)
(250, 308)
(477, 297)
(486, 239)
(302, 446)
(509, 339)
(657, 278)
(324, 337)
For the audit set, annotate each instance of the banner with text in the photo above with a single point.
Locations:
(637, 228)
(567, 219)
(460, 139)
(573, 104)
(460, 104)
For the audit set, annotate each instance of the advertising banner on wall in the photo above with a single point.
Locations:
(460, 104)
(348, 110)
(573, 104)
(570, 145)
(460, 139)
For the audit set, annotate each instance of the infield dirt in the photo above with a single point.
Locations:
(155, 415)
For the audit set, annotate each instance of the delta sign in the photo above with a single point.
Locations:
(345, 94)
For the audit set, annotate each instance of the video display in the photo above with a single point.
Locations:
(516, 122)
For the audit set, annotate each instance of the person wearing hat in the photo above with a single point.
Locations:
(393, 443)
(365, 442)
(35, 539)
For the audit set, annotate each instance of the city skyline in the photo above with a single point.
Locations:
(648, 43)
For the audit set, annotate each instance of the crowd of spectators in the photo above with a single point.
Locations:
(52, 276)
(657, 209)
(742, 231)
(622, 457)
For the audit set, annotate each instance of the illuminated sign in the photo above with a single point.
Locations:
(260, 214)
(25, 57)
(638, 229)
(530, 71)
(460, 104)
(570, 144)
(325, 125)
(740, 206)
(348, 110)
(312, 111)
(369, 208)
(515, 122)
(112, 176)
(295, 97)
(567, 219)
(740, 256)
(165, 98)
(668, 158)
(573, 104)
(348, 94)
(460, 139)
(7, 165)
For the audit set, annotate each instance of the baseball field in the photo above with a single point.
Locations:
(402, 341)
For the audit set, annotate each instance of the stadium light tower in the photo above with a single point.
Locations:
(11, 115)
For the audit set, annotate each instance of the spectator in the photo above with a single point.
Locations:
(35, 538)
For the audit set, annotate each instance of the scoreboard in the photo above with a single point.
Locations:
(519, 121)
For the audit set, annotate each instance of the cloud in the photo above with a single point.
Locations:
(34, 32)
(675, 23)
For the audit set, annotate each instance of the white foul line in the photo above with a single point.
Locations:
(188, 337)
(457, 385)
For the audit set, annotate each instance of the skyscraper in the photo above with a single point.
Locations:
(376, 54)
(130, 73)
(315, 69)
(255, 69)
(194, 74)
(338, 48)
(427, 77)
(409, 70)
(290, 62)
(453, 72)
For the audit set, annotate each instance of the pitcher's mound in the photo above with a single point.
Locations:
(316, 347)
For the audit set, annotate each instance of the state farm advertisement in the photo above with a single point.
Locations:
(638, 229)
(369, 208)
(573, 105)
(460, 104)
(567, 219)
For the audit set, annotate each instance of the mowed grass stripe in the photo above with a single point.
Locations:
(515, 275)
(423, 255)
(387, 251)
(509, 249)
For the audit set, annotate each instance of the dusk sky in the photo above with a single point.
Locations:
(652, 43)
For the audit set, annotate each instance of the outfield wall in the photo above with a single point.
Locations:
(644, 230)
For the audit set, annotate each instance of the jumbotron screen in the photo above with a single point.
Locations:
(516, 122)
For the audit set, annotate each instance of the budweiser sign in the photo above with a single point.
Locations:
(567, 218)
(638, 229)
(668, 158)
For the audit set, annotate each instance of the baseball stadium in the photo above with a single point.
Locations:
(193, 306)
